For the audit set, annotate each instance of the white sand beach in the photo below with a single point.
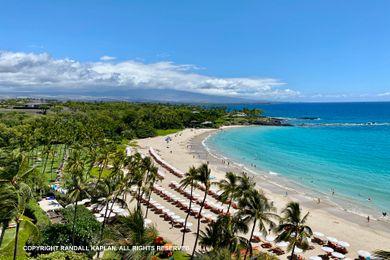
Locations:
(185, 150)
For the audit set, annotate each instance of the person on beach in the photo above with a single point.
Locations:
(368, 219)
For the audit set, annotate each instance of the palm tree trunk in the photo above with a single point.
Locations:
(16, 239)
(139, 198)
(90, 167)
(3, 228)
(292, 251)
(112, 205)
(51, 167)
(103, 225)
(104, 165)
(74, 222)
(198, 229)
(45, 163)
(250, 238)
(230, 204)
(63, 154)
(188, 214)
(147, 207)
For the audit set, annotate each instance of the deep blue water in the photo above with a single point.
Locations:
(344, 147)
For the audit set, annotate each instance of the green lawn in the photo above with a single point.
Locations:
(180, 255)
(95, 172)
(162, 132)
(7, 247)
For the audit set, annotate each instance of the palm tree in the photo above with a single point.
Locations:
(24, 194)
(12, 174)
(151, 179)
(131, 230)
(203, 177)
(112, 187)
(46, 150)
(229, 187)
(245, 186)
(223, 234)
(103, 158)
(137, 173)
(223, 253)
(293, 229)
(8, 206)
(76, 184)
(188, 180)
(150, 176)
(256, 207)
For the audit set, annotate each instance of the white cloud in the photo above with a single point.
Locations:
(38, 70)
(385, 94)
(107, 58)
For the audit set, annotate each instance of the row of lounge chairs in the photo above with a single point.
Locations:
(164, 164)
(168, 215)
(216, 209)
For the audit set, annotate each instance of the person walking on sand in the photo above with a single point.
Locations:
(368, 219)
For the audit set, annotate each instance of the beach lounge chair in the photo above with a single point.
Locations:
(266, 245)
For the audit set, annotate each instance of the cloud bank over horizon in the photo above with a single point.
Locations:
(24, 72)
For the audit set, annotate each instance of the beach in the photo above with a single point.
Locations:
(186, 149)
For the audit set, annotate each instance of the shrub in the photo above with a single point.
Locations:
(86, 230)
(62, 255)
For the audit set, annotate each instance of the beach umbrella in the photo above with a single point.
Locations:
(171, 214)
(208, 216)
(338, 255)
(180, 220)
(327, 249)
(316, 257)
(364, 253)
(258, 234)
(118, 210)
(282, 244)
(175, 217)
(318, 234)
(343, 244)
(124, 213)
(332, 239)
(189, 225)
(270, 238)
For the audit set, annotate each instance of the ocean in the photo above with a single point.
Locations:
(332, 147)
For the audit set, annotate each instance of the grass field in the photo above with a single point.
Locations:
(162, 132)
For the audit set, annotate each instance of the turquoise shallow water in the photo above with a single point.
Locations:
(350, 157)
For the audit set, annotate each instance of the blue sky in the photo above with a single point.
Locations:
(328, 50)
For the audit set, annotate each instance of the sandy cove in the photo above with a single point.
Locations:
(186, 150)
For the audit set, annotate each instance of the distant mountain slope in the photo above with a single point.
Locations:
(136, 95)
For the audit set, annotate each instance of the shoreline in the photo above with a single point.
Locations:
(343, 203)
(186, 149)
